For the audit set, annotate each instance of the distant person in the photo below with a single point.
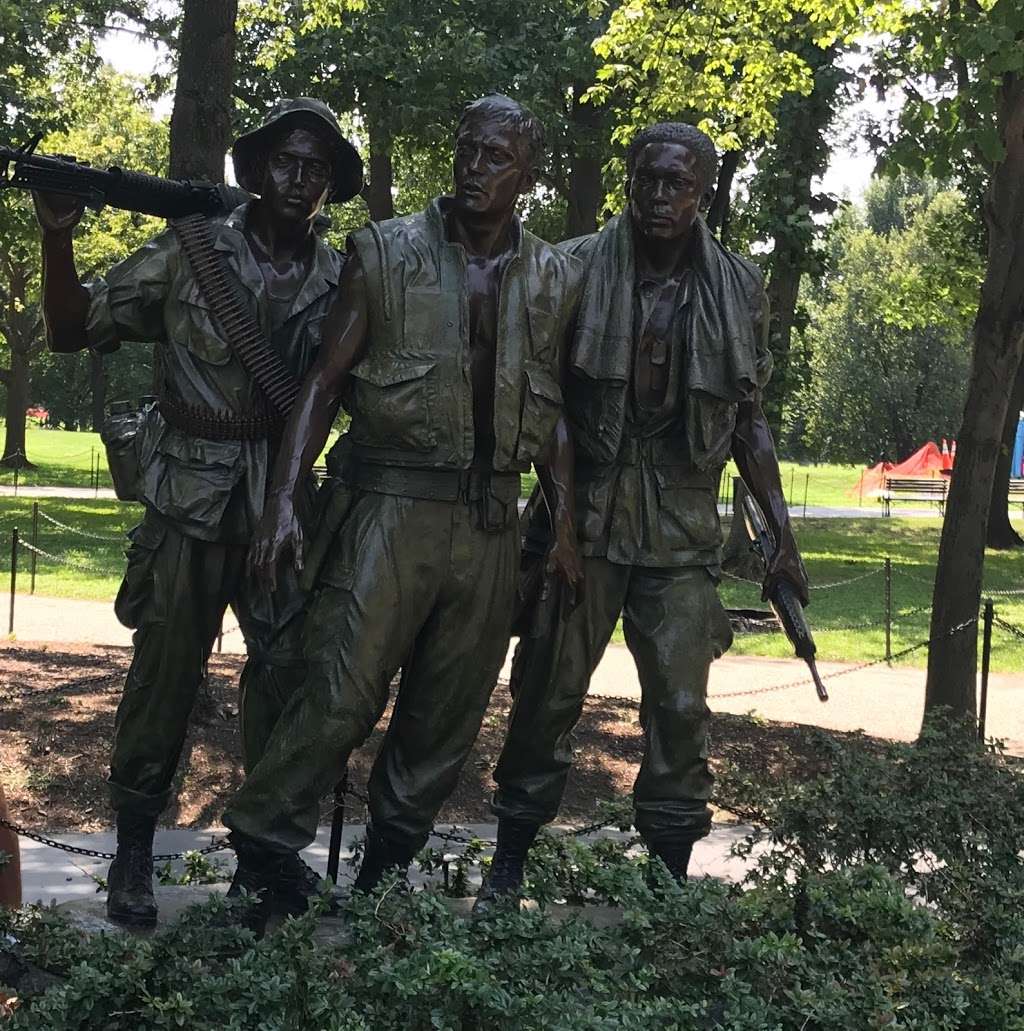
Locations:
(10, 861)
(664, 383)
(207, 451)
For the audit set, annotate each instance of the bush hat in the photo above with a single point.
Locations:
(298, 113)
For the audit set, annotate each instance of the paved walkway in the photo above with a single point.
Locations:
(77, 493)
(870, 510)
(879, 700)
(50, 875)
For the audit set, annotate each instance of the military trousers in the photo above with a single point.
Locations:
(175, 593)
(407, 582)
(674, 626)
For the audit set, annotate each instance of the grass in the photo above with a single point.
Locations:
(848, 620)
(62, 458)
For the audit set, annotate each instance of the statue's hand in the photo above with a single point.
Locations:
(278, 532)
(787, 565)
(57, 212)
(564, 564)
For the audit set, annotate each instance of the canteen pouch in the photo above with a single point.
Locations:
(120, 436)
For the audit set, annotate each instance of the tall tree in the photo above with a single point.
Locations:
(203, 101)
(963, 63)
(888, 330)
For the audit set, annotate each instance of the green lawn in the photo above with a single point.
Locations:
(848, 620)
(62, 458)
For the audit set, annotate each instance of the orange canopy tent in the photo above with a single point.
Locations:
(927, 461)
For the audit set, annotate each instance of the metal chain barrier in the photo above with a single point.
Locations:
(63, 560)
(76, 850)
(1016, 631)
(813, 587)
(83, 533)
(454, 836)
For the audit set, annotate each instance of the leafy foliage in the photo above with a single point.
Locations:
(108, 123)
(889, 897)
(887, 338)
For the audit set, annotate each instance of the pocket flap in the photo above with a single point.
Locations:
(391, 371)
(543, 383)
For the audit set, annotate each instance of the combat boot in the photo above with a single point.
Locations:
(130, 878)
(255, 879)
(383, 856)
(505, 877)
(297, 883)
(674, 854)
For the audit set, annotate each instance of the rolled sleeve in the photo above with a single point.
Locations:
(128, 303)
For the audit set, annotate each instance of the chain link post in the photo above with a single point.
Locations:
(337, 827)
(888, 609)
(35, 544)
(986, 659)
(807, 484)
(14, 577)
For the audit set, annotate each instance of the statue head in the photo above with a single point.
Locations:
(498, 146)
(671, 170)
(298, 160)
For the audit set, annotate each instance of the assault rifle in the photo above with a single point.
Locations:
(22, 168)
(783, 597)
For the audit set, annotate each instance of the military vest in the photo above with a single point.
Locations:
(410, 398)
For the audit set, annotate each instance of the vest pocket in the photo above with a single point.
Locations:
(542, 403)
(391, 404)
(688, 513)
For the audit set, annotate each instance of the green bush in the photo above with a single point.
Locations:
(890, 896)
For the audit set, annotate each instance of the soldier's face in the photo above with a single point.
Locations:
(297, 177)
(491, 168)
(665, 190)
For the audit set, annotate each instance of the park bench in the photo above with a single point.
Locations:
(1016, 495)
(932, 491)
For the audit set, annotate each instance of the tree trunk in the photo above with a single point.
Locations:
(17, 380)
(203, 104)
(377, 193)
(801, 152)
(1001, 534)
(721, 205)
(98, 389)
(588, 149)
(998, 346)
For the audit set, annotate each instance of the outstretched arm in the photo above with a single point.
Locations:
(754, 452)
(65, 300)
(305, 433)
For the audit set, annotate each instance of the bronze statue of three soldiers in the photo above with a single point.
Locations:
(625, 367)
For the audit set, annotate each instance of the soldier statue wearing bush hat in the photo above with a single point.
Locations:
(205, 449)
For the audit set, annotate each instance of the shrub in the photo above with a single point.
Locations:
(890, 897)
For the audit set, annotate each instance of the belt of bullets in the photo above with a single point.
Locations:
(231, 310)
(211, 424)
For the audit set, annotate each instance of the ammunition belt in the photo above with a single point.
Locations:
(231, 312)
(211, 424)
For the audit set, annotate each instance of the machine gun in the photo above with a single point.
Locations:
(783, 596)
(22, 168)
